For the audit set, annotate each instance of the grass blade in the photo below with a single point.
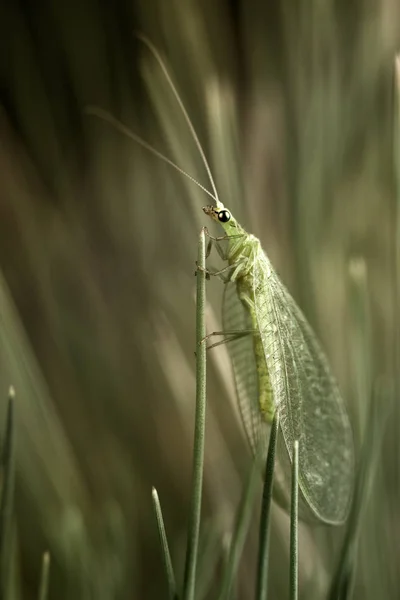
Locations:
(7, 496)
(396, 168)
(263, 550)
(198, 449)
(44, 577)
(294, 523)
(240, 531)
(212, 559)
(342, 583)
(169, 571)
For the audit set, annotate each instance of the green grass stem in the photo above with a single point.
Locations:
(360, 340)
(166, 556)
(44, 577)
(342, 583)
(264, 533)
(198, 449)
(294, 526)
(7, 496)
(243, 520)
(396, 168)
(396, 154)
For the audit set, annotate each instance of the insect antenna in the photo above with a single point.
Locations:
(164, 69)
(109, 118)
(106, 116)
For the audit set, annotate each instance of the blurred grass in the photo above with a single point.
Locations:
(44, 577)
(7, 497)
(169, 570)
(294, 106)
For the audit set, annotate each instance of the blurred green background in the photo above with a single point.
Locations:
(294, 103)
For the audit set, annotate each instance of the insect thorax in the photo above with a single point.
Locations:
(244, 249)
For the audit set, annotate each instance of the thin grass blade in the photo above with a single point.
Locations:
(212, 560)
(294, 526)
(242, 525)
(198, 449)
(342, 584)
(7, 497)
(166, 556)
(396, 168)
(44, 577)
(263, 550)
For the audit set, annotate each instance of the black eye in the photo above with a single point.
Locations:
(224, 216)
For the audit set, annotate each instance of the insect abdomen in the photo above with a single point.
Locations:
(265, 394)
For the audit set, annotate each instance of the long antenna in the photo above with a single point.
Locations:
(160, 61)
(106, 116)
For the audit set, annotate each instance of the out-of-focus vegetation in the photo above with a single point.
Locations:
(295, 105)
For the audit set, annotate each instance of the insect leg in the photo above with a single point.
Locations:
(219, 272)
(221, 251)
(230, 332)
(208, 249)
(220, 238)
(239, 266)
(248, 301)
(236, 268)
(230, 336)
(215, 241)
(236, 245)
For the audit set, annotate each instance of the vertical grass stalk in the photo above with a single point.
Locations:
(360, 340)
(44, 577)
(169, 571)
(294, 529)
(240, 531)
(198, 449)
(396, 154)
(342, 583)
(263, 548)
(7, 497)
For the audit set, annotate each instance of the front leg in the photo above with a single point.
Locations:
(227, 274)
(215, 241)
(221, 273)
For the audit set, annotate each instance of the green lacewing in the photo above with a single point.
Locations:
(279, 365)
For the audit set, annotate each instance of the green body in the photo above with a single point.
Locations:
(284, 368)
(245, 291)
(244, 251)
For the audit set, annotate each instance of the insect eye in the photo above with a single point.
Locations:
(224, 216)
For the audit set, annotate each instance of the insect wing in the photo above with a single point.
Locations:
(236, 318)
(309, 401)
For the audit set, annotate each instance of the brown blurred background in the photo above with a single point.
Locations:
(294, 104)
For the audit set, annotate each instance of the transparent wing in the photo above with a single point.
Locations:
(309, 401)
(241, 351)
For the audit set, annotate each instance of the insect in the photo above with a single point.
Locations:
(279, 365)
(277, 361)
